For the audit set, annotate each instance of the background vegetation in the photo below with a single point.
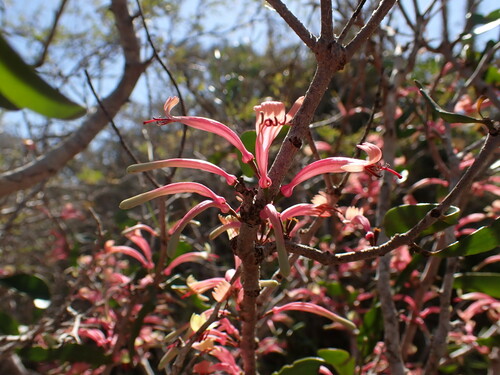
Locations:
(70, 304)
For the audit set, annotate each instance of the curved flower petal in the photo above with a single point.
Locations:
(269, 212)
(314, 309)
(341, 164)
(195, 256)
(303, 209)
(295, 108)
(327, 165)
(205, 124)
(374, 153)
(175, 188)
(270, 118)
(176, 230)
(183, 163)
(127, 250)
(140, 226)
(137, 238)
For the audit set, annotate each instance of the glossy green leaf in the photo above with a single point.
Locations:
(23, 88)
(7, 104)
(67, 353)
(445, 115)
(402, 218)
(309, 365)
(482, 240)
(484, 282)
(32, 285)
(340, 359)
(8, 325)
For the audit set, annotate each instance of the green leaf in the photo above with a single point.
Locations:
(32, 285)
(308, 365)
(23, 88)
(402, 218)
(8, 325)
(248, 138)
(7, 104)
(483, 282)
(370, 330)
(340, 359)
(88, 353)
(491, 342)
(482, 240)
(445, 115)
(492, 76)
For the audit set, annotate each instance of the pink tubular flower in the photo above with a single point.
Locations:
(205, 124)
(195, 256)
(270, 118)
(313, 309)
(200, 287)
(304, 209)
(340, 165)
(269, 212)
(175, 188)
(176, 230)
(127, 250)
(183, 163)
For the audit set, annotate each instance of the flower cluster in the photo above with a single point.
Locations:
(270, 119)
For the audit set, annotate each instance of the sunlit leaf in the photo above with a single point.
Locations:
(483, 282)
(445, 115)
(21, 87)
(309, 365)
(484, 239)
(402, 218)
(340, 359)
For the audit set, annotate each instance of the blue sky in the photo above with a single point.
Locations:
(40, 14)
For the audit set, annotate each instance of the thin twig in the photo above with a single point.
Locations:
(115, 128)
(373, 23)
(305, 35)
(51, 35)
(490, 145)
(326, 20)
(182, 143)
(351, 21)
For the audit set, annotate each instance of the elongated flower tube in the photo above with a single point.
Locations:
(327, 165)
(304, 209)
(340, 165)
(176, 230)
(313, 309)
(183, 163)
(127, 250)
(175, 188)
(269, 212)
(195, 256)
(205, 124)
(270, 118)
(137, 238)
